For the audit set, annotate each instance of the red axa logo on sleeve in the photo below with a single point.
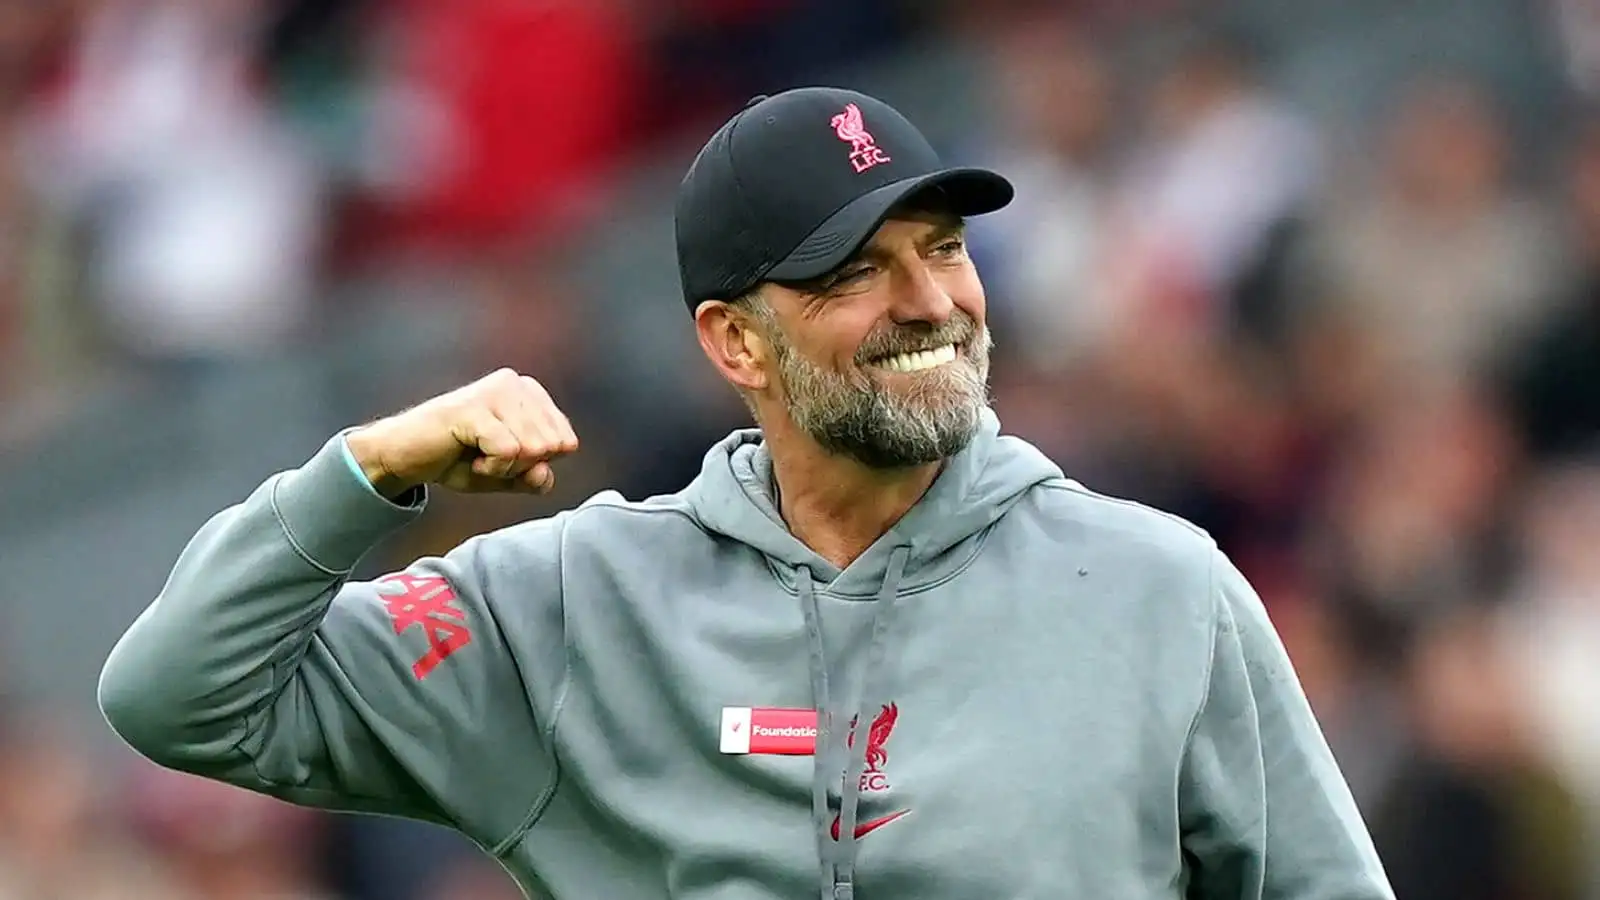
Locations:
(427, 602)
(761, 730)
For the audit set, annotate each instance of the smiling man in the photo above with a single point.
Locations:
(874, 649)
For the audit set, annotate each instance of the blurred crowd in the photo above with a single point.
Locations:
(1365, 355)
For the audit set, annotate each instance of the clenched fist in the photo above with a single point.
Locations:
(497, 434)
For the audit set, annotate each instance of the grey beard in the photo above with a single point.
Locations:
(884, 428)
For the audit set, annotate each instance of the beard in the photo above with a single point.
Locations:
(860, 415)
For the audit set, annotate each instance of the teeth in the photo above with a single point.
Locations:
(922, 359)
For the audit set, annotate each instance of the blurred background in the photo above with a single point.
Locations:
(1321, 276)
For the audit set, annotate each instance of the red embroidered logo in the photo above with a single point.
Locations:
(427, 601)
(873, 779)
(864, 150)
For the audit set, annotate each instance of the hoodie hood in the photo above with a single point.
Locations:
(734, 496)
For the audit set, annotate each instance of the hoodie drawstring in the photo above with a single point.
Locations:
(819, 692)
(838, 855)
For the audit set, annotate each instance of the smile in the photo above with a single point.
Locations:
(918, 360)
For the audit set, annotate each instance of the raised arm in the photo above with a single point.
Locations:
(261, 664)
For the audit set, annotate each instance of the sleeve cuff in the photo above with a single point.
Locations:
(333, 513)
(411, 499)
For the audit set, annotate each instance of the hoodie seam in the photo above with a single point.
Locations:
(1070, 487)
(541, 802)
(288, 533)
(622, 505)
(1214, 614)
(981, 539)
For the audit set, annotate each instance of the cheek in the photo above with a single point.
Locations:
(846, 335)
(962, 285)
(836, 355)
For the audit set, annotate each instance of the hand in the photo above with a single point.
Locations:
(497, 434)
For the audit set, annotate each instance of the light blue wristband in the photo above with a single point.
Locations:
(355, 469)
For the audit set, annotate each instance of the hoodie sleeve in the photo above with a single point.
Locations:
(262, 665)
(1265, 811)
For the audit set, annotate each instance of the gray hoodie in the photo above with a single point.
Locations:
(1028, 690)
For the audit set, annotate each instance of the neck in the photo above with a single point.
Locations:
(835, 505)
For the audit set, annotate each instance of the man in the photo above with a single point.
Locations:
(1025, 689)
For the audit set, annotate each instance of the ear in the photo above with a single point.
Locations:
(733, 342)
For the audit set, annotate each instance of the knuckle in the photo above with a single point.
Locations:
(496, 382)
(531, 386)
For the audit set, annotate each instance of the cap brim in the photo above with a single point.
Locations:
(967, 192)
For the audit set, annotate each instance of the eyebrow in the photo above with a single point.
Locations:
(940, 231)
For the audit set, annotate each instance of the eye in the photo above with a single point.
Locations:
(853, 275)
(951, 246)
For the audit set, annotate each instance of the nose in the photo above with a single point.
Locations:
(920, 297)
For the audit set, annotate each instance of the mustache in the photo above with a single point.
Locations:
(959, 330)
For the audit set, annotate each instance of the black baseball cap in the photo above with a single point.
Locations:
(795, 183)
